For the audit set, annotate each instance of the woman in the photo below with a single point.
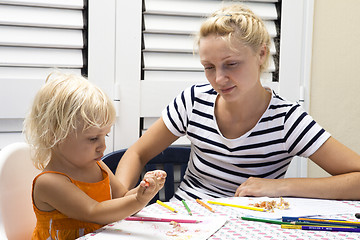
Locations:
(243, 136)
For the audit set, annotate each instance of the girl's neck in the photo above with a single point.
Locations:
(90, 173)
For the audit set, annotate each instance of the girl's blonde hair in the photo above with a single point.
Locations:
(237, 22)
(65, 103)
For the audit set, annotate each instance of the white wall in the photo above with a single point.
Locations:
(335, 78)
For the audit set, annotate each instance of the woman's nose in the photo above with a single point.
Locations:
(220, 76)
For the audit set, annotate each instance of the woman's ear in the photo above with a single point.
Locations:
(262, 54)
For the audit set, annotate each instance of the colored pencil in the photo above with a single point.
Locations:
(299, 226)
(151, 219)
(166, 206)
(264, 220)
(323, 228)
(329, 221)
(187, 207)
(293, 224)
(204, 205)
(334, 222)
(297, 219)
(238, 206)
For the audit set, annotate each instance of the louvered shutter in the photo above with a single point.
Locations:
(36, 36)
(168, 59)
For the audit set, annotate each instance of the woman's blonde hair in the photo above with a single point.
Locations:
(237, 22)
(65, 103)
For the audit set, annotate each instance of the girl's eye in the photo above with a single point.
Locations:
(93, 139)
(106, 135)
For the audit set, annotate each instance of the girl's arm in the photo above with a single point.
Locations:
(117, 188)
(54, 191)
(154, 141)
(333, 157)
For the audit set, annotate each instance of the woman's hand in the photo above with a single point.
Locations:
(259, 187)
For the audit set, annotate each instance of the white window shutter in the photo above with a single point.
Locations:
(36, 36)
(169, 61)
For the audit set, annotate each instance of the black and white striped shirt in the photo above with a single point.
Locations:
(217, 165)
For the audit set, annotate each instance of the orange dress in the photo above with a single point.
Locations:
(55, 225)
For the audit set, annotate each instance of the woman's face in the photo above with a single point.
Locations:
(230, 71)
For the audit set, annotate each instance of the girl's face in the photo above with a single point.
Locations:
(83, 147)
(230, 71)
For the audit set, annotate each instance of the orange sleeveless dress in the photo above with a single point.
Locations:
(55, 225)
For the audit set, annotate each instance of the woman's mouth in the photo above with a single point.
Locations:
(227, 90)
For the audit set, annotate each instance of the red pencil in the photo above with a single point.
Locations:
(152, 219)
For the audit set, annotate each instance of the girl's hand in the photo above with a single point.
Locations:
(151, 184)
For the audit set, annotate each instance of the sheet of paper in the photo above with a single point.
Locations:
(141, 230)
(297, 207)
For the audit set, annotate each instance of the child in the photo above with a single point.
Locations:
(76, 193)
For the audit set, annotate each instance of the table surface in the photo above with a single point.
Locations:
(235, 228)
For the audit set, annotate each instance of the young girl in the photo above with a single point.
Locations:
(243, 135)
(76, 193)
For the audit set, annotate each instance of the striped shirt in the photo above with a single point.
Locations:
(217, 165)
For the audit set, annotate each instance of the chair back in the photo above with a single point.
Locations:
(173, 160)
(17, 218)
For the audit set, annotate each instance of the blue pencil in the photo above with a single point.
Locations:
(322, 221)
(296, 219)
(335, 229)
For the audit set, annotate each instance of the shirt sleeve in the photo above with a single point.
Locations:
(176, 114)
(304, 136)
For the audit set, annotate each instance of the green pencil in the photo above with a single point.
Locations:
(265, 220)
(283, 223)
(187, 207)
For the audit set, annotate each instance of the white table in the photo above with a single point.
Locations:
(235, 228)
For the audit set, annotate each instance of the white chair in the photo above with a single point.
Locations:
(17, 218)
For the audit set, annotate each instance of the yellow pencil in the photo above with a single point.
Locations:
(289, 226)
(238, 206)
(166, 206)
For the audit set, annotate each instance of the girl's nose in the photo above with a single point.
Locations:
(102, 146)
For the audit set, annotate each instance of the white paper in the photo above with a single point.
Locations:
(142, 230)
(298, 207)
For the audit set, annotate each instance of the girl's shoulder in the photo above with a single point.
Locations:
(49, 178)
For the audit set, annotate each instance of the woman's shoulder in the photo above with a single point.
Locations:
(279, 102)
(199, 91)
(280, 106)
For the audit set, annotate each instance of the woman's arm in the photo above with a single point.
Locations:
(333, 157)
(154, 141)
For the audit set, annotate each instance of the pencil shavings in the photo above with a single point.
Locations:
(270, 206)
(177, 229)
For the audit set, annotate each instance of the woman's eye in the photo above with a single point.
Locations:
(208, 68)
(232, 64)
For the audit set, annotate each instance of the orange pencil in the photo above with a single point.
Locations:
(204, 205)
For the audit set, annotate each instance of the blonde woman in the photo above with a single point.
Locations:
(76, 193)
(243, 136)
